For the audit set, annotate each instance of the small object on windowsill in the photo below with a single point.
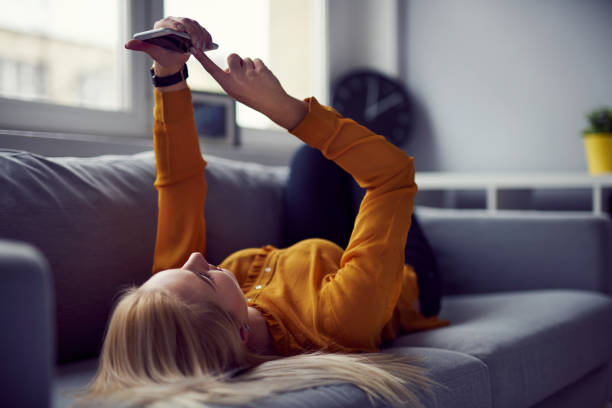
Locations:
(215, 118)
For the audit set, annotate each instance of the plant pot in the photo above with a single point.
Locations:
(598, 147)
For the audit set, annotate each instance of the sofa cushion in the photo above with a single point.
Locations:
(26, 326)
(95, 219)
(244, 206)
(534, 343)
(463, 383)
(515, 244)
(592, 390)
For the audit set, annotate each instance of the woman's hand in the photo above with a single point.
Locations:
(252, 83)
(248, 81)
(169, 62)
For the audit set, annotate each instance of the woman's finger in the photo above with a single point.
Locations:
(207, 38)
(248, 64)
(190, 27)
(259, 64)
(200, 37)
(213, 69)
(170, 22)
(137, 45)
(180, 23)
(195, 32)
(235, 63)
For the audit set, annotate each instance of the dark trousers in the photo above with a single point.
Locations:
(322, 201)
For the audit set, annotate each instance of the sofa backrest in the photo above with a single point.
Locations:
(95, 220)
(481, 252)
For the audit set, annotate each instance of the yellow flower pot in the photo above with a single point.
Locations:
(598, 147)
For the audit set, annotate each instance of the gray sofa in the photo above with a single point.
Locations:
(527, 293)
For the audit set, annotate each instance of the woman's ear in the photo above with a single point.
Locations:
(245, 331)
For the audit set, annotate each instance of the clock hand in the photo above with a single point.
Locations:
(371, 105)
(387, 103)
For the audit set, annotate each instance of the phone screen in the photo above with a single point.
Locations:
(171, 42)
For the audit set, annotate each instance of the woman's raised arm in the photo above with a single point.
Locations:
(368, 282)
(180, 181)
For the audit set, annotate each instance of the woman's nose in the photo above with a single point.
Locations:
(196, 260)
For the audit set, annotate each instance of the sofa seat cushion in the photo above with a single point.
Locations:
(534, 343)
(463, 383)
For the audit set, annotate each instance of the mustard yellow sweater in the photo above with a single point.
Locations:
(314, 295)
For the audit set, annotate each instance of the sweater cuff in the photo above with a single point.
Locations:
(318, 125)
(174, 106)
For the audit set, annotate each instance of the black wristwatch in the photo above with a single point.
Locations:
(170, 79)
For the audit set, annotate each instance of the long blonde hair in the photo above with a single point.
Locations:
(162, 351)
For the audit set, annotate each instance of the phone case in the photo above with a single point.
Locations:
(169, 39)
(171, 42)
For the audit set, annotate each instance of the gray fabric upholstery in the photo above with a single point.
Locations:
(462, 382)
(71, 378)
(481, 252)
(589, 391)
(533, 343)
(244, 206)
(95, 221)
(26, 326)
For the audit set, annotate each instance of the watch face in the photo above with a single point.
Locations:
(375, 101)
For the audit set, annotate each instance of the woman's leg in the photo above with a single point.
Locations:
(317, 199)
(420, 256)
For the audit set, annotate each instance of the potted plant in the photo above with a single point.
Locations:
(598, 140)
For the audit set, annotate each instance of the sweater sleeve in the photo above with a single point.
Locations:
(179, 181)
(359, 298)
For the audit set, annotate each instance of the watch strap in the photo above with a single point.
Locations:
(169, 79)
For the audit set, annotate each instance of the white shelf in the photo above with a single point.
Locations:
(492, 183)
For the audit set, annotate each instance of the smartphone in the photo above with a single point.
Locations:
(169, 39)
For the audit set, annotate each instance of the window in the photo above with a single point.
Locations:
(63, 67)
(22, 78)
(57, 52)
(283, 33)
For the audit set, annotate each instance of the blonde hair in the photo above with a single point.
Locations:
(160, 350)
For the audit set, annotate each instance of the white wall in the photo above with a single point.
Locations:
(363, 34)
(503, 85)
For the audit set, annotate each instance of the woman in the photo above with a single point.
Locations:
(205, 333)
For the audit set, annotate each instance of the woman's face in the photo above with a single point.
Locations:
(197, 280)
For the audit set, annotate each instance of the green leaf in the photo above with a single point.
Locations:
(599, 120)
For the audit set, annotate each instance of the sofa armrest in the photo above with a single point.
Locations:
(481, 252)
(26, 326)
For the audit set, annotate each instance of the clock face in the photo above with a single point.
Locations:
(376, 102)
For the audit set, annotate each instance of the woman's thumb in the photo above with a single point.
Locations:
(137, 45)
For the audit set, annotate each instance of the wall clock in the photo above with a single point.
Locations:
(375, 101)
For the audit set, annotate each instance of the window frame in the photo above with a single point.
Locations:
(135, 121)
